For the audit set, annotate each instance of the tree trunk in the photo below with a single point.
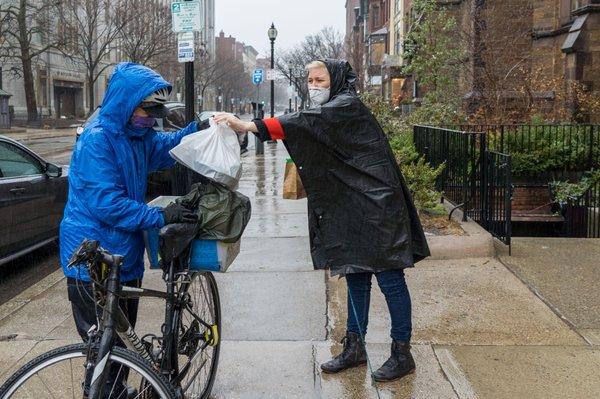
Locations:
(32, 112)
(91, 101)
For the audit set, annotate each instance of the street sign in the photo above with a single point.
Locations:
(186, 16)
(185, 47)
(257, 76)
(271, 74)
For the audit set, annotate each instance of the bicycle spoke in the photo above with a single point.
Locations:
(115, 382)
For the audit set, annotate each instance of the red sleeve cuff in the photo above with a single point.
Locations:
(275, 129)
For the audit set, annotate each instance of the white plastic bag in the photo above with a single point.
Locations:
(213, 152)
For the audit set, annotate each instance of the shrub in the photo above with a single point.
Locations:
(419, 175)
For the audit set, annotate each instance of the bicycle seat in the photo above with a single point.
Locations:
(175, 239)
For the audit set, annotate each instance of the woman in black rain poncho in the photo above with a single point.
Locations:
(362, 220)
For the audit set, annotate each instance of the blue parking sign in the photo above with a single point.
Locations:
(257, 76)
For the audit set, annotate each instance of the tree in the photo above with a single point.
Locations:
(98, 24)
(26, 32)
(327, 43)
(147, 36)
(434, 58)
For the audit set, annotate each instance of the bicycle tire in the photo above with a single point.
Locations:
(118, 355)
(215, 306)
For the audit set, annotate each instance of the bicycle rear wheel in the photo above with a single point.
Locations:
(61, 372)
(199, 344)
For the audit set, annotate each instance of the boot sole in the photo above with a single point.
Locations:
(347, 368)
(394, 379)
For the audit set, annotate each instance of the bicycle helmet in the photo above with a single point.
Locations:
(154, 104)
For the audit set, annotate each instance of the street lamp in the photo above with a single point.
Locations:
(272, 36)
(290, 90)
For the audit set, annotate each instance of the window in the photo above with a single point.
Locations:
(15, 162)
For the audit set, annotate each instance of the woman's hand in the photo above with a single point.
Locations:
(235, 123)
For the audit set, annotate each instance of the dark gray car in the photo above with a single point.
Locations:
(33, 193)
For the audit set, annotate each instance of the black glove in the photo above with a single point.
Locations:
(175, 213)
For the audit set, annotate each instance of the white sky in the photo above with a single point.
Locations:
(249, 20)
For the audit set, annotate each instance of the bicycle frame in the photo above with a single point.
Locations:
(114, 321)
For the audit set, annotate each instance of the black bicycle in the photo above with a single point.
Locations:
(180, 362)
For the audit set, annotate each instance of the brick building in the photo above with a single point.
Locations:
(521, 56)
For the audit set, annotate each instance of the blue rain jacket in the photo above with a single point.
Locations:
(108, 174)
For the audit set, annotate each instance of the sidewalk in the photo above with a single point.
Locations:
(479, 331)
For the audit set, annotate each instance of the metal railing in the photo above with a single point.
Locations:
(540, 152)
(498, 193)
(474, 179)
(582, 216)
(461, 153)
(475, 174)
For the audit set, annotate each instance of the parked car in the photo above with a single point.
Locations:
(33, 193)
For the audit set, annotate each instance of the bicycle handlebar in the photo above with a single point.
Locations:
(90, 251)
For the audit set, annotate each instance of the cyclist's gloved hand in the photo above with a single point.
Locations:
(175, 213)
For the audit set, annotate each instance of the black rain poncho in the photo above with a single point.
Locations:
(361, 214)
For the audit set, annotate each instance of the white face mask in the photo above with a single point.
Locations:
(318, 95)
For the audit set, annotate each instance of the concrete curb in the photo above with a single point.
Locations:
(477, 243)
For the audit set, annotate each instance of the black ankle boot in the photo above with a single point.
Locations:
(353, 355)
(399, 364)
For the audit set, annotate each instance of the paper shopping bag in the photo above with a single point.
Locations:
(292, 185)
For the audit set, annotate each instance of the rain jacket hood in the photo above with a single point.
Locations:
(129, 85)
(108, 174)
(343, 78)
(361, 214)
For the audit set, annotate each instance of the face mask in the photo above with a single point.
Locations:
(142, 122)
(318, 95)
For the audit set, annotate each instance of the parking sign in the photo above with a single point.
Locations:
(186, 16)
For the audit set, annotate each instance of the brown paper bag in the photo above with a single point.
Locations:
(292, 185)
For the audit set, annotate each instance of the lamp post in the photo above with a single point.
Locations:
(290, 90)
(272, 36)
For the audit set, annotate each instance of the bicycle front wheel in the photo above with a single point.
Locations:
(61, 372)
(199, 338)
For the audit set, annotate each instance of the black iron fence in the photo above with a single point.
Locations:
(498, 193)
(483, 161)
(582, 215)
(544, 152)
(461, 180)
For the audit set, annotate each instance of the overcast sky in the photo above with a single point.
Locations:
(249, 20)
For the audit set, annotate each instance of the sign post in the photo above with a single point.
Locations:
(257, 79)
(187, 18)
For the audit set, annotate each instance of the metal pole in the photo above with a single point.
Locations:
(181, 176)
(290, 90)
(189, 91)
(272, 81)
(258, 144)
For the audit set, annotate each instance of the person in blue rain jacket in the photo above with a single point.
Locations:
(107, 183)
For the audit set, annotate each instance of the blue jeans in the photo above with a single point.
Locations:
(393, 286)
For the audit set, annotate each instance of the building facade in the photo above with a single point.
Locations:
(60, 88)
(519, 55)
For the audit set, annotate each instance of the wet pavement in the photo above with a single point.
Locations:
(481, 330)
(566, 274)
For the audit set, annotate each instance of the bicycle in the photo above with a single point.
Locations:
(166, 366)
